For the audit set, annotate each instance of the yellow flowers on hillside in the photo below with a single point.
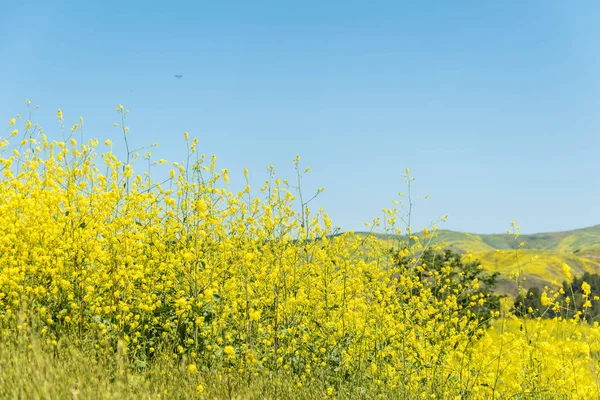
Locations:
(566, 270)
(249, 285)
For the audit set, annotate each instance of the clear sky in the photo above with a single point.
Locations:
(493, 105)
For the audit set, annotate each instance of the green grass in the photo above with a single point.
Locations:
(34, 370)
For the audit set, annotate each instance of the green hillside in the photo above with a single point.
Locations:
(540, 259)
(585, 240)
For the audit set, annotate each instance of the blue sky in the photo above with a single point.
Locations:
(494, 106)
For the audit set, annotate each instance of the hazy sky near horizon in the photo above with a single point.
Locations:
(494, 106)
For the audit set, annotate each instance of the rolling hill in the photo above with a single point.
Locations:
(540, 259)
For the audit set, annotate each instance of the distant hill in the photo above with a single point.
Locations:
(540, 259)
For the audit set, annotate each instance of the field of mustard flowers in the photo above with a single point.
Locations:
(115, 285)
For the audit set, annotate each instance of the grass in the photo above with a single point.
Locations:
(79, 370)
(76, 369)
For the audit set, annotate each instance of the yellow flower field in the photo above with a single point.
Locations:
(184, 288)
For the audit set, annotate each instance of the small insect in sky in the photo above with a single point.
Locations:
(178, 76)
